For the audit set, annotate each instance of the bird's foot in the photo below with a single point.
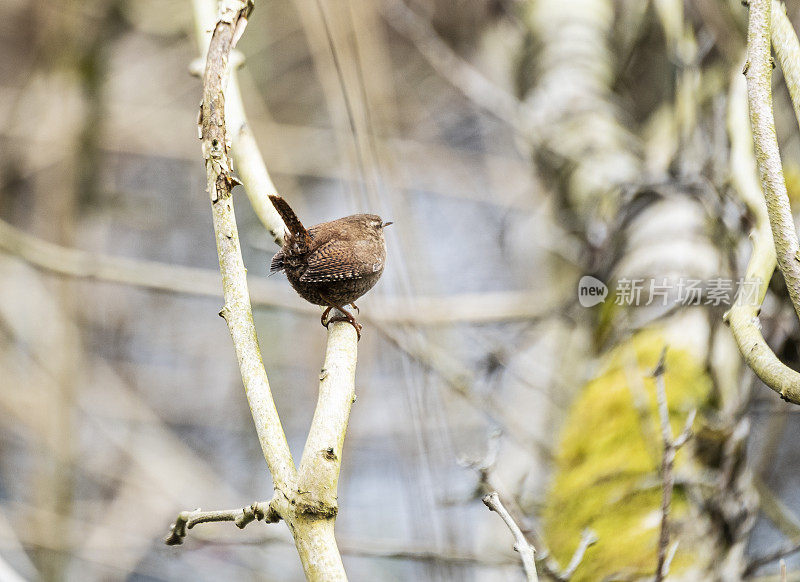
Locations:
(354, 306)
(325, 316)
(346, 316)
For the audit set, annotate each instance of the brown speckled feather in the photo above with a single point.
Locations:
(277, 263)
(337, 260)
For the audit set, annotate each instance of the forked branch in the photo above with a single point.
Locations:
(671, 447)
(306, 502)
(526, 551)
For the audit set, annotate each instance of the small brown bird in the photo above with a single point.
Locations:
(334, 263)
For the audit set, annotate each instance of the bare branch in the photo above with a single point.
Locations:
(787, 549)
(237, 311)
(462, 75)
(526, 551)
(686, 433)
(318, 476)
(671, 446)
(128, 271)
(743, 315)
(306, 501)
(670, 556)
(776, 511)
(186, 520)
(588, 538)
(489, 483)
(758, 72)
(787, 49)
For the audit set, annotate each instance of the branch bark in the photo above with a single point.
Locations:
(758, 72)
(787, 49)
(237, 311)
(321, 460)
(241, 517)
(307, 502)
(743, 315)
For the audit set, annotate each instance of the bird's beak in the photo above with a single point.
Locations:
(385, 224)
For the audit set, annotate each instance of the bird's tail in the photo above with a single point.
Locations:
(297, 231)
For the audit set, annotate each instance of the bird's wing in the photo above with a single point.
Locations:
(337, 260)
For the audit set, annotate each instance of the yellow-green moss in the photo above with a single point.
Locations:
(606, 317)
(606, 475)
(791, 174)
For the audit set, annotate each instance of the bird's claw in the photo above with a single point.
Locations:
(346, 316)
(358, 327)
(351, 320)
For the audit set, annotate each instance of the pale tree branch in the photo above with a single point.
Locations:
(671, 447)
(743, 315)
(249, 163)
(758, 72)
(787, 49)
(307, 502)
(155, 275)
(521, 545)
(322, 456)
(237, 311)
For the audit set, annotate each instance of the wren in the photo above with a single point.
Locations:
(333, 263)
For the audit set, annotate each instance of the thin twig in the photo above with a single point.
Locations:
(526, 551)
(776, 511)
(785, 550)
(489, 483)
(186, 520)
(588, 538)
(671, 446)
(461, 74)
